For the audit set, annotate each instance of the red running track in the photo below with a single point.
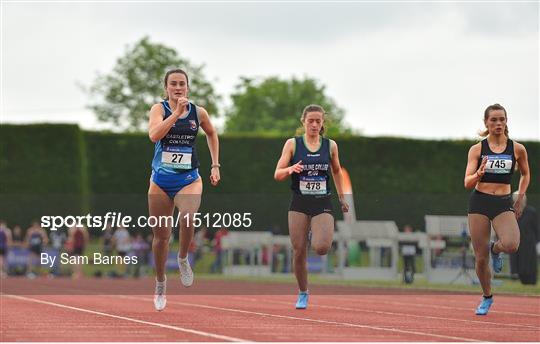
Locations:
(262, 317)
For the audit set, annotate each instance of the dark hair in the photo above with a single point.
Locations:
(312, 108)
(172, 71)
(490, 108)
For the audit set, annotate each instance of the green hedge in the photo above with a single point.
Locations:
(43, 170)
(393, 178)
(376, 165)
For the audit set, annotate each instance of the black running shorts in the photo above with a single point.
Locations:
(489, 205)
(311, 205)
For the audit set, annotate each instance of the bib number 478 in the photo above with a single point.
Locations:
(313, 186)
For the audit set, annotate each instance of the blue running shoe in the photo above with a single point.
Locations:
(302, 301)
(496, 259)
(484, 305)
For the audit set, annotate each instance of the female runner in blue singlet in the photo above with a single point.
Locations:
(309, 159)
(490, 166)
(175, 181)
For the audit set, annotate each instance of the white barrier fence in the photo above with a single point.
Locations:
(376, 235)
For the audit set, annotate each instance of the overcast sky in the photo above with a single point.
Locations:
(423, 70)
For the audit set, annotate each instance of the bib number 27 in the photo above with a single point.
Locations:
(176, 158)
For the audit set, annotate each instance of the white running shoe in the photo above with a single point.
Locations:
(160, 300)
(186, 274)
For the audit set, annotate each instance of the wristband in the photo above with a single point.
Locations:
(216, 165)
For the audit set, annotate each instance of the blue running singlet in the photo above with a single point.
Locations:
(175, 160)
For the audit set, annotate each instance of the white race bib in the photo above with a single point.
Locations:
(176, 157)
(312, 185)
(408, 250)
(499, 164)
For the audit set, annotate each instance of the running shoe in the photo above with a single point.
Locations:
(160, 300)
(186, 274)
(302, 301)
(484, 305)
(496, 259)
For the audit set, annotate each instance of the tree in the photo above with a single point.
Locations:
(274, 106)
(124, 96)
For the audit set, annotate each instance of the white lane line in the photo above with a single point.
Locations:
(470, 309)
(502, 300)
(170, 327)
(234, 310)
(392, 313)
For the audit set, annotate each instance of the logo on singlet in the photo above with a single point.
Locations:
(192, 124)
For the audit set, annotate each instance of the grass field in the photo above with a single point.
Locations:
(507, 286)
